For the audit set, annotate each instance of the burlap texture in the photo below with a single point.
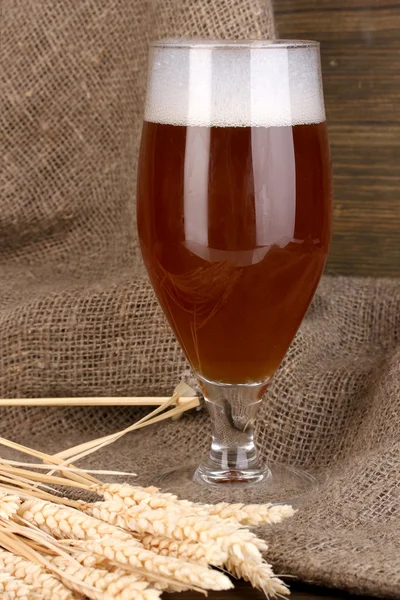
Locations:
(77, 316)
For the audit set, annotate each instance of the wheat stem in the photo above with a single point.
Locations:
(87, 448)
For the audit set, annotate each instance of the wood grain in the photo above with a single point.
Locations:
(360, 46)
(243, 591)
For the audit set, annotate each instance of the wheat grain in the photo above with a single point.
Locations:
(252, 515)
(12, 588)
(196, 539)
(9, 504)
(107, 585)
(227, 538)
(210, 553)
(88, 560)
(135, 544)
(208, 530)
(163, 522)
(94, 560)
(157, 567)
(249, 515)
(259, 575)
(65, 522)
(130, 495)
(49, 587)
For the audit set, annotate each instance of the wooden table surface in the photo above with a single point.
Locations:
(243, 591)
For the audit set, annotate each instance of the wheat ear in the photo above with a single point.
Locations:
(48, 586)
(260, 575)
(107, 585)
(204, 554)
(156, 567)
(162, 584)
(9, 504)
(12, 588)
(207, 530)
(131, 495)
(252, 515)
(65, 522)
(249, 515)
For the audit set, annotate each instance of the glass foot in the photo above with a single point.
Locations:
(211, 475)
(276, 484)
(232, 471)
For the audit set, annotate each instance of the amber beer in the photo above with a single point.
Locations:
(234, 224)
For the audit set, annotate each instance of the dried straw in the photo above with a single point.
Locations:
(134, 544)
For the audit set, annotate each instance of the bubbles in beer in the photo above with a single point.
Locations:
(259, 84)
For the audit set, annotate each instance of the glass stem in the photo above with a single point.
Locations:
(233, 456)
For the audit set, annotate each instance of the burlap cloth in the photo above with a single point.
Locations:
(77, 316)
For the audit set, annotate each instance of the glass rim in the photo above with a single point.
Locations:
(216, 44)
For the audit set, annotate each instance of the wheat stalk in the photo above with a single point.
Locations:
(183, 397)
(77, 475)
(99, 401)
(82, 450)
(135, 544)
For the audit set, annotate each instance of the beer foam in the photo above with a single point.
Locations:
(236, 84)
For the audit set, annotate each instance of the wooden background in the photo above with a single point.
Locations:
(360, 45)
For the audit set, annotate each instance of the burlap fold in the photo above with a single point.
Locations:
(77, 316)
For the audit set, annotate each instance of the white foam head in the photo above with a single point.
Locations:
(236, 84)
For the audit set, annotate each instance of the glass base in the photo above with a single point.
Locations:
(277, 484)
(208, 474)
(232, 471)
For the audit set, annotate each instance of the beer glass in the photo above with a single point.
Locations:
(234, 219)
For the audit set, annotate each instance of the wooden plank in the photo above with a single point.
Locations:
(360, 48)
(243, 591)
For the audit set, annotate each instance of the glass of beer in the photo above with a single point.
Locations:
(234, 219)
